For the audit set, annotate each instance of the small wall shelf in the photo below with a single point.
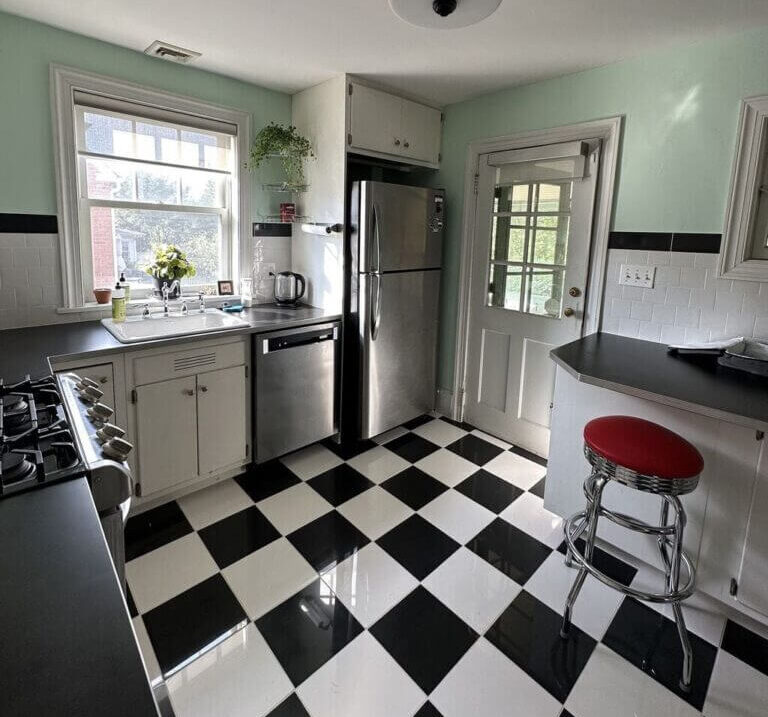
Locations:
(285, 188)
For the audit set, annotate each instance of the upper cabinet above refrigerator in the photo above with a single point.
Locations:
(384, 125)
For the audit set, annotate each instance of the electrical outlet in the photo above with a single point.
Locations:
(637, 275)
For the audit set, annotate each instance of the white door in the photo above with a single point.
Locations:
(529, 271)
(221, 423)
(166, 427)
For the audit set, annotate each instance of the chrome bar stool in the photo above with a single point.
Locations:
(650, 458)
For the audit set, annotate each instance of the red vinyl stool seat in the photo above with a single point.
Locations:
(643, 446)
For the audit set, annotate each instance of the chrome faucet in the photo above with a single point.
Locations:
(145, 311)
(201, 299)
(167, 289)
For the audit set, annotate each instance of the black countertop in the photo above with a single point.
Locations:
(647, 370)
(66, 639)
(26, 351)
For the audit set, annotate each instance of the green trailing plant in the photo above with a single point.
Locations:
(276, 140)
(170, 263)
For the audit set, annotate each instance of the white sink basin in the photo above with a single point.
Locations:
(137, 328)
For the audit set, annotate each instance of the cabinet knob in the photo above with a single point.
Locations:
(568, 311)
(406, 145)
(103, 379)
(204, 389)
(189, 392)
(397, 142)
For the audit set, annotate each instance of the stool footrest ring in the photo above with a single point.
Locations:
(570, 528)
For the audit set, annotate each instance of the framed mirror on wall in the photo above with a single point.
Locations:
(744, 253)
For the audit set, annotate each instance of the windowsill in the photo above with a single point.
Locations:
(153, 302)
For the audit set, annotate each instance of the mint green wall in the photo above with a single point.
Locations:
(681, 113)
(26, 50)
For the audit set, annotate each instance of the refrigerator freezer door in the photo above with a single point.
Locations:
(397, 368)
(401, 228)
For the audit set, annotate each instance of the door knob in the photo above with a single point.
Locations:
(574, 291)
(568, 311)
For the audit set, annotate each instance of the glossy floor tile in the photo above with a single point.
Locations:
(748, 646)
(378, 464)
(515, 469)
(327, 541)
(267, 479)
(439, 432)
(291, 707)
(448, 467)
(294, 507)
(425, 637)
(375, 512)
(529, 514)
(457, 516)
(489, 490)
(215, 503)
(239, 535)
(340, 483)
(154, 528)
(736, 689)
(348, 449)
(411, 447)
(311, 461)
(609, 564)
(475, 449)
(414, 487)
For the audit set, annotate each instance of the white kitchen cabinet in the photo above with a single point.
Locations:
(383, 123)
(166, 419)
(109, 375)
(221, 420)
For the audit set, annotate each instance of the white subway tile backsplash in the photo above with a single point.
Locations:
(629, 327)
(672, 334)
(687, 316)
(620, 308)
(712, 320)
(667, 276)
(696, 335)
(649, 331)
(40, 276)
(25, 256)
(693, 277)
(740, 324)
(633, 293)
(761, 327)
(706, 261)
(727, 302)
(655, 296)
(678, 296)
(703, 298)
(682, 258)
(14, 241)
(11, 278)
(658, 258)
(663, 314)
(641, 311)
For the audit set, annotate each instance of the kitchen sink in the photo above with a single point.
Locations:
(139, 328)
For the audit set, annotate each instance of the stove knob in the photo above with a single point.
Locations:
(85, 382)
(117, 449)
(90, 394)
(100, 412)
(108, 431)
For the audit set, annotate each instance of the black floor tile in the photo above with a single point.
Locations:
(565, 713)
(489, 490)
(538, 489)
(612, 566)
(428, 710)
(340, 483)
(510, 550)
(328, 540)
(414, 487)
(459, 424)
(411, 447)
(528, 633)
(475, 449)
(418, 546)
(132, 610)
(425, 637)
(267, 479)
(291, 707)
(418, 421)
(746, 645)
(349, 449)
(238, 535)
(649, 640)
(154, 528)
(198, 618)
(307, 630)
(530, 456)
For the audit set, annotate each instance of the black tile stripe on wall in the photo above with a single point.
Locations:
(28, 224)
(665, 241)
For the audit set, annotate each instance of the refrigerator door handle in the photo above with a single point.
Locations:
(376, 238)
(375, 305)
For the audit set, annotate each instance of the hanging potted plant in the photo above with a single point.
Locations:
(276, 140)
(170, 263)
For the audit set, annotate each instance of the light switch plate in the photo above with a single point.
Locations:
(637, 275)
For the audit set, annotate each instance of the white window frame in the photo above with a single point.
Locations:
(65, 81)
(736, 252)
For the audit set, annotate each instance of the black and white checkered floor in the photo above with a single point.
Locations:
(418, 574)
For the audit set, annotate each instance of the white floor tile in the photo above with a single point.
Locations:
(361, 680)
(168, 571)
(456, 515)
(239, 677)
(296, 506)
(484, 683)
(492, 439)
(378, 464)
(516, 470)
(447, 467)
(262, 580)
(596, 605)
(529, 514)
(147, 653)
(736, 689)
(610, 686)
(311, 461)
(369, 583)
(388, 436)
(472, 588)
(210, 505)
(375, 512)
(441, 433)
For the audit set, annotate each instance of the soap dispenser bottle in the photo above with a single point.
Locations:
(118, 304)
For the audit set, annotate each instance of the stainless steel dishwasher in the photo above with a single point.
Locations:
(295, 391)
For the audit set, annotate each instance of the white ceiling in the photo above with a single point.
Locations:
(293, 44)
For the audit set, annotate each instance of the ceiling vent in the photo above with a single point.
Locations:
(174, 53)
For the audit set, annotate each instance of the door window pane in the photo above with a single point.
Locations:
(544, 291)
(505, 286)
(507, 240)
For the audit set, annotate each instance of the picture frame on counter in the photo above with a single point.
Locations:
(226, 287)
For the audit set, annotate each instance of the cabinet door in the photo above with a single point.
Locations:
(221, 420)
(103, 375)
(421, 132)
(375, 120)
(166, 429)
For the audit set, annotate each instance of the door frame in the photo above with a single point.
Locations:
(608, 130)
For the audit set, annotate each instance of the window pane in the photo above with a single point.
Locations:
(551, 245)
(110, 180)
(124, 237)
(544, 291)
(158, 185)
(512, 198)
(554, 198)
(507, 240)
(505, 286)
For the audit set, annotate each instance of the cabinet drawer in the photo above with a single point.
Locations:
(175, 364)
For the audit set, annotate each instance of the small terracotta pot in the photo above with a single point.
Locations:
(102, 295)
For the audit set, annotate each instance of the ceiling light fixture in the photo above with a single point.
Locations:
(443, 14)
(174, 53)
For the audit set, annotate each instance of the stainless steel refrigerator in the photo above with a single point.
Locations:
(395, 254)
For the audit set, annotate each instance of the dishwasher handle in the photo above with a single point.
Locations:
(303, 338)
